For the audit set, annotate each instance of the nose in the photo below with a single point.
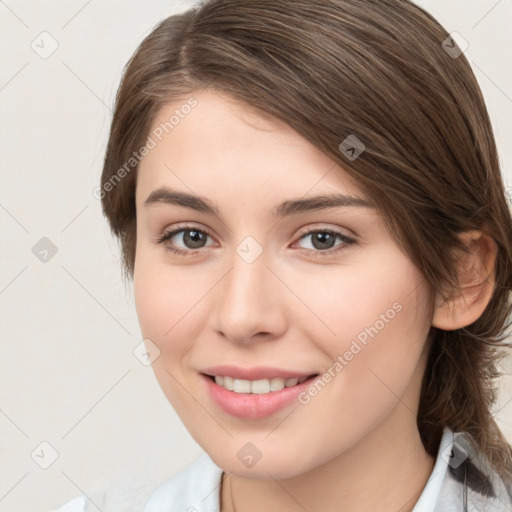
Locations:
(249, 302)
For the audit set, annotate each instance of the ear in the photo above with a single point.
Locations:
(475, 274)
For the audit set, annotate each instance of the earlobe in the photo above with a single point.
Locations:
(476, 283)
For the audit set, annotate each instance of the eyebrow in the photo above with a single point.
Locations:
(165, 195)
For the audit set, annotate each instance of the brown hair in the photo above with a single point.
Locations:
(377, 70)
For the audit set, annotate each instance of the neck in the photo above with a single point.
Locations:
(386, 470)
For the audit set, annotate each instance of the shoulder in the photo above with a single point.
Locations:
(120, 498)
(77, 504)
(194, 489)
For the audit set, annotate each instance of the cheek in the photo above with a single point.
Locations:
(361, 301)
(374, 328)
(168, 302)
(393, 341)
(154, 306)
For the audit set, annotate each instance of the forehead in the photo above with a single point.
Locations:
(224, 147)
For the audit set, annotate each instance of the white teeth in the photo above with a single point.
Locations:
(228, 383)
(257, 387)
(241, 386)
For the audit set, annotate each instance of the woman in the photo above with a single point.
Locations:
(308, 198)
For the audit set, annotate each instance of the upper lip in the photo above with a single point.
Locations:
(258, 372)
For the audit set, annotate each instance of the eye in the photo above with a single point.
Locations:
(323, 241)
(191, 238)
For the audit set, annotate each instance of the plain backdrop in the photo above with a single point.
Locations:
(68, 375)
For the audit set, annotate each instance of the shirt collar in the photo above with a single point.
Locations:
(429, 497)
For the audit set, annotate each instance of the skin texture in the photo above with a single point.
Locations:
(356, 442)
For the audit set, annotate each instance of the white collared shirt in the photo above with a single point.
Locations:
(461, 481)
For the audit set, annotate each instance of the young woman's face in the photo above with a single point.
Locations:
(269, 278)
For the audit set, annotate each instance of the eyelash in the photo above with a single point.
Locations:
(347, 241)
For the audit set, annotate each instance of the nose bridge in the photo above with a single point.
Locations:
(246, 301)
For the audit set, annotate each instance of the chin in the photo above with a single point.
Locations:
(275, 466)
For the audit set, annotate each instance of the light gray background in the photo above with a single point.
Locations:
(67, 372)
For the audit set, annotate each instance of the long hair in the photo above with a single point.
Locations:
(385, 73)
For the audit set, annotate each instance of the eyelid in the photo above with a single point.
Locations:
(325, 227)
(304, 232)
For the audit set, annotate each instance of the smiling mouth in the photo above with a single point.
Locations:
(259, 386)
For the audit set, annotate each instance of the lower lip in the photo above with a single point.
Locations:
(253, 406)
